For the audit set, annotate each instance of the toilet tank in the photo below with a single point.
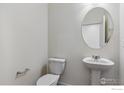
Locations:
(56, 66)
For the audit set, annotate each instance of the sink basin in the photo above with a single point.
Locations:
(98, 64)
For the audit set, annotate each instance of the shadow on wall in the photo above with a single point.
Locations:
(44, 70)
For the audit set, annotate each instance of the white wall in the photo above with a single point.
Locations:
(23, 42)
(65, 41)
(122, 44)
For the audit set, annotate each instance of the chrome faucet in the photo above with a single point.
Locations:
(95, 57)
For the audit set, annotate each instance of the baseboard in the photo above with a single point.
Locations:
(63, 83)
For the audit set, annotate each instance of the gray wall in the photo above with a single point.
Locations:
(122, 43)
(23, 42)
(65, 41)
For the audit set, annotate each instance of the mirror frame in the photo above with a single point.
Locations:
(84, 12)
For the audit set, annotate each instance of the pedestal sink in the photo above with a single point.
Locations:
(97, 66)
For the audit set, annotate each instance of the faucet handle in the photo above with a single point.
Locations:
(95, 57)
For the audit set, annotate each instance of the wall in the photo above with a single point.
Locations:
(65, 41)
(23, 42)
(121, 44)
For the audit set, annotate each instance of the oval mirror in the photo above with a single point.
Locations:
(97, 28)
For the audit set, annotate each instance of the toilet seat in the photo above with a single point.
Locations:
(48, 79)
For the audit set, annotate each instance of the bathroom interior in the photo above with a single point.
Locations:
(61, 44)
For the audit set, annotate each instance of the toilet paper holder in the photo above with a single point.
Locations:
(22, 73)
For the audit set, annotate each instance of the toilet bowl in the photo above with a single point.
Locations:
(56, 67)
(48, 79)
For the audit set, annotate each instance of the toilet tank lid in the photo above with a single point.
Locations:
(47, 79)
(57, 59)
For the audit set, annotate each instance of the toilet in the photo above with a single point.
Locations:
(56, 67)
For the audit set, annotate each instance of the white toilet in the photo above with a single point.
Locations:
(55, 69)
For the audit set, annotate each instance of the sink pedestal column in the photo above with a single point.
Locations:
(95, 77)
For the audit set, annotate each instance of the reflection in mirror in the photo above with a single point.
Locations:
(97, 28)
